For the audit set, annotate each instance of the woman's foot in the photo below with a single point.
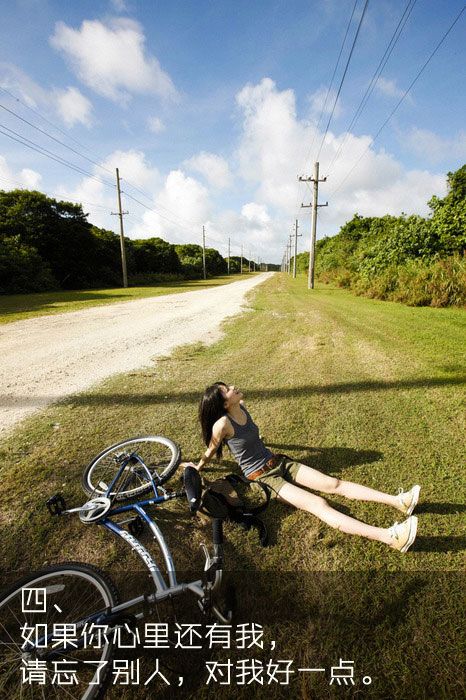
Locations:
(403, 534)
(407, 500)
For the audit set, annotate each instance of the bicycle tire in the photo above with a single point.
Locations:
(87, 590)
(160, 454)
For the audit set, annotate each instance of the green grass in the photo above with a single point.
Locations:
(15, 307)
(364, 390)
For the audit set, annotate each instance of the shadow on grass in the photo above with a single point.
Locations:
(20, 305)
(330, 457)
(439, 544)
(253, 394)
(441, 508)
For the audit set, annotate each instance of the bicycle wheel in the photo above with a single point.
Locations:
(28, 635)
(159, 454)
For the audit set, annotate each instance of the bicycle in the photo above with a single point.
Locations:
(85, 597)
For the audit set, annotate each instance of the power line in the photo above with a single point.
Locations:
(402, 97)
(58, 197)
(377, 73)
(35, 111)
(298, 198)
(42, 131)
(332, 78)
(45, 152)
(138, 189)
(343, 77)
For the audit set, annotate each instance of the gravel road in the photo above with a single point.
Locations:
(47, 358)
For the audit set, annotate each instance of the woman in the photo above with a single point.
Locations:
(224, 418)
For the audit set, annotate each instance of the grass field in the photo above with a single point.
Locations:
(15, 307)
(365, 390)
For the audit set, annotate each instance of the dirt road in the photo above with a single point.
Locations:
(47, 358)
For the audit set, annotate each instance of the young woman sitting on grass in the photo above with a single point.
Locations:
(225, 419)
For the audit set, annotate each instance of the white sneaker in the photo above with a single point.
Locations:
(408, 499)
(403, 534)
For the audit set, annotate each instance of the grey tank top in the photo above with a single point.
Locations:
(246, 446)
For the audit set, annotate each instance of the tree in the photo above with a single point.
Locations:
(154, 255)
(22, 269)
(449, 214)
(59, 232)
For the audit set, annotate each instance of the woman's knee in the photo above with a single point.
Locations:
(331, 485)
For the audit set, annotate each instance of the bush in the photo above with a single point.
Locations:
(22, 269)
(154, 278)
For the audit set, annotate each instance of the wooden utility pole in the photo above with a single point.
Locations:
(241, 263)
(121, 213)
(228, 255)
(249, 261)
(203, 253)
(290, 246)
(296, 236)
(314, 206)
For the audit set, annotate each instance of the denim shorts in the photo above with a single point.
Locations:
(277, 477)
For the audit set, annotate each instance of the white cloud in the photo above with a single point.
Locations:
(255, 213)
(155, 124)
(388, 87)
(214, 168)
(111, 58)
(274, 148)
(134, 168)
(74, 107)
(433, 148)
(25, 178)
(272, 144)
(182, 206)
(100, 200)
(321, 103)
(70, 104)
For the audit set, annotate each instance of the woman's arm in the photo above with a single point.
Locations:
(219, 433)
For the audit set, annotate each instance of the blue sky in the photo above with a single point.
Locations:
(211, 110)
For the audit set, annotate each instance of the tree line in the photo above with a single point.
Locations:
(413, 259)
(47, 244)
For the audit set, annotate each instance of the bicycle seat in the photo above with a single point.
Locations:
(193, 487)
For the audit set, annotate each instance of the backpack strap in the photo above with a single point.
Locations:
(234, 480)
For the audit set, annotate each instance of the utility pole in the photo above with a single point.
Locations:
(290, 244)
(314, 205)
(296, 236)
(203, 253)
(249, 261)
(228, 255)
(241, 263)
(121, 213)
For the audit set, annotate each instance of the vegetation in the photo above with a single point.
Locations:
(415, 260)
(362, 390)
(49, 245)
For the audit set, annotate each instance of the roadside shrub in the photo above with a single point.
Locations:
(448, 282)
(22, 269)
(149, 278)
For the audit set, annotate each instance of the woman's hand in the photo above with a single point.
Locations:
(187, 464)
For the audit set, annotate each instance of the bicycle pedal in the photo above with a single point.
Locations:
(136, 526)
(56, 504)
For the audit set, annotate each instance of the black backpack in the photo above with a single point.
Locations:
(220, 499)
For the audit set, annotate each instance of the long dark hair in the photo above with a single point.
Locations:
(211, 408)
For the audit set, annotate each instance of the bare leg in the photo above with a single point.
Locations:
(313, 479)
(320, 508)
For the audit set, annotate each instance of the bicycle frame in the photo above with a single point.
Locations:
(162, 590)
